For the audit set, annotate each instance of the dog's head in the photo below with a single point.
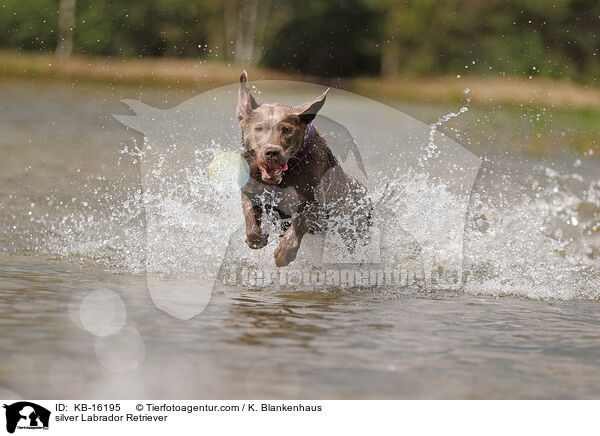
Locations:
(273, 133)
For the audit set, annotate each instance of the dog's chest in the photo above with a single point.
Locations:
(284, 199)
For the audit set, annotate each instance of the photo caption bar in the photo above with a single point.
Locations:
(294, 417)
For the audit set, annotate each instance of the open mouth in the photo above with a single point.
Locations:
(271, 170)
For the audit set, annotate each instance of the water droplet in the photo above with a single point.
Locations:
(121, 352)
(102, 312)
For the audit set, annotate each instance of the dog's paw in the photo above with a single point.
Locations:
(286, 251)
(257, 240)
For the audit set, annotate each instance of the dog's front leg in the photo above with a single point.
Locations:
(286, 251)
(252, 215)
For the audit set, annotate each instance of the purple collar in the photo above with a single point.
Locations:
(309, 141)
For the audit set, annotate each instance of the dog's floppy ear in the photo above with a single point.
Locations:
(308, 111)
(246, 102)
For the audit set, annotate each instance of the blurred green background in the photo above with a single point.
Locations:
(527, 69)
(337, 38)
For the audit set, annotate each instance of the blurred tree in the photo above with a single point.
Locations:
(66, 23)
(149, 28)
(29, 24)
(329, 38)
(245, 26)
(332, 38)
(558, 38)
(246, 31)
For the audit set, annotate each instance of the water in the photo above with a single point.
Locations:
(523, 324)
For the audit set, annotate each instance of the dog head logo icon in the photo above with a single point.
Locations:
(26, 415)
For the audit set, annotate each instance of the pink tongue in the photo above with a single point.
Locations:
(268, 169)
(273, 168)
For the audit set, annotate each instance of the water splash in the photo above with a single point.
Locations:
(431, 149)
(535, 236)
(539, 240)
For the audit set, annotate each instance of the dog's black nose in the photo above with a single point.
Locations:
(272, 153)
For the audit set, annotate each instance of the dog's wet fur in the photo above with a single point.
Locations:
(306, 189)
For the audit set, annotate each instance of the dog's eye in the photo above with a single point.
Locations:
(258, 129)
(286, 130)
